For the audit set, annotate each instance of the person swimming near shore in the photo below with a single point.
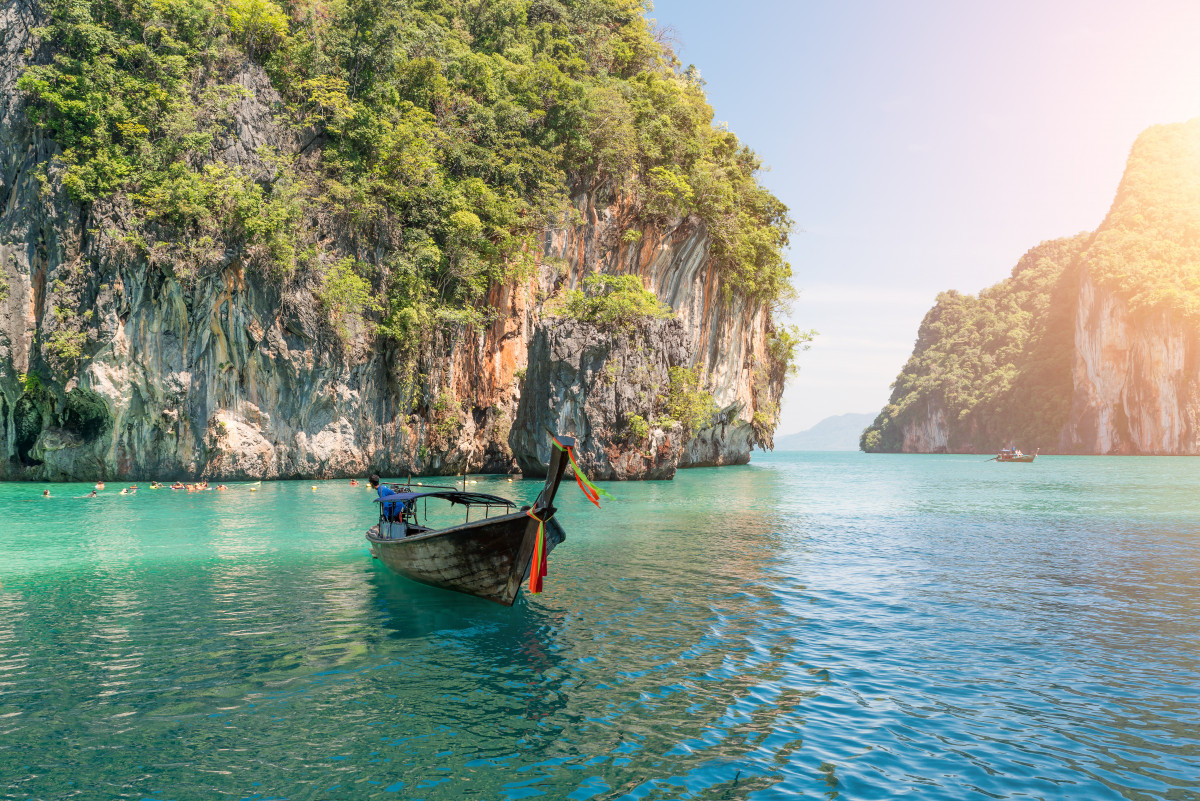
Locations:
(354, 482)
(92, 494)
(178, 485)
(221, 488)
(99, 485)
(45, 493)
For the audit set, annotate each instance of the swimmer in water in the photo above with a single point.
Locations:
(45, 493)
(99, 485)
(91, 494)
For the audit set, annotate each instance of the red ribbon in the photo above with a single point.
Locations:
(590, 490)
(537, 565)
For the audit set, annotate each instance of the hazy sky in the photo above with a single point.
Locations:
(926, 145)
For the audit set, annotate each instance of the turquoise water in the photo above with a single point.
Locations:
(811, 625)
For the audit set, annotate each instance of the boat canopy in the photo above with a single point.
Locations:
(454, 496)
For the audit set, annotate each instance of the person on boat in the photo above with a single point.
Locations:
(383, 491)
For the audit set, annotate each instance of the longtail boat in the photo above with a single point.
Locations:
(490, 557)
(1011, 454)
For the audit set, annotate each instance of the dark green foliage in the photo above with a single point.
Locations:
(997, 366)
(85, 413)
(613, 302)
(116, 94)
(441, 135)
(136, 94)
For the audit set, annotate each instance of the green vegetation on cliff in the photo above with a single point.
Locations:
(428, 141)
(998, 366)
(1148, 249)
(613, 302)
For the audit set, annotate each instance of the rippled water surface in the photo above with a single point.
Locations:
(812, 625)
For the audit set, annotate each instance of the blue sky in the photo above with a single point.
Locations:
(925, 146)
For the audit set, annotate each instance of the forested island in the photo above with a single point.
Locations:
(265, 239)
(1091, 346)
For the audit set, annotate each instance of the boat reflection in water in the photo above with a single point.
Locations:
(489, 557)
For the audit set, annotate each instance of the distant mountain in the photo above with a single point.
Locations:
(837, 433)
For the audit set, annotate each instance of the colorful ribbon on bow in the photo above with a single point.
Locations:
(537, 565)
(589, 489)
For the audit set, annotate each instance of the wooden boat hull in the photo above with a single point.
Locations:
(1026, 458)
(487, 558)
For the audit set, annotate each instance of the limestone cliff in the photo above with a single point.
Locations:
(1137, 379)
(1099, 356)
(581, 379)
(112, 365)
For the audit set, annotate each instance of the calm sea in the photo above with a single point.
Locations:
(811, 625)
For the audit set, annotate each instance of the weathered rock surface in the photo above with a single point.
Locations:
(1137, 380)
(231, 374)
(927, 433)
(726, 338)
(592, 384)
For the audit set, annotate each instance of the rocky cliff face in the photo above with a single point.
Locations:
(725, 335)
(927, 432)
(1136, 377)
(596, 384)
(112, 366)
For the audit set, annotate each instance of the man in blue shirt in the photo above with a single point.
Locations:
(383, 490)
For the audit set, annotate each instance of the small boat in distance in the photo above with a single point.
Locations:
(489, 557)
(1011, 454)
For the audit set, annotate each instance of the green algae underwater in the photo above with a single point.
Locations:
(809, 625)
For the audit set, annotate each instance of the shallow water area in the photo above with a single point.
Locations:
(810, 625)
